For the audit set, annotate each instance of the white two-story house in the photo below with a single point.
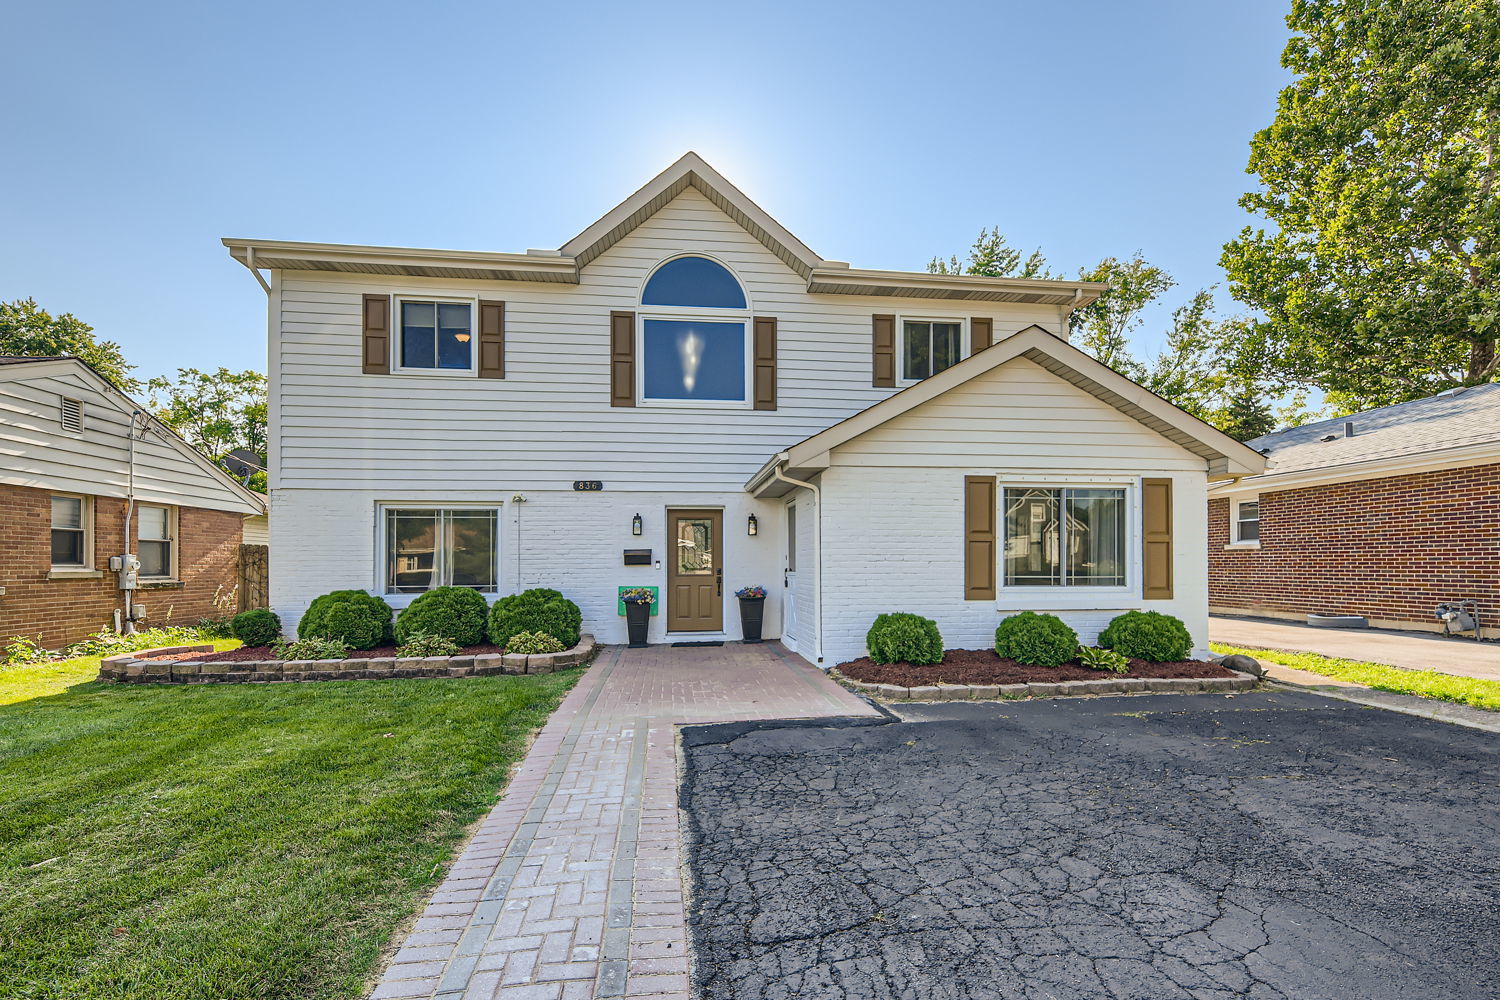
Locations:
(684, 396)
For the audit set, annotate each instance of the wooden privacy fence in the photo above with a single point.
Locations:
(254, 577)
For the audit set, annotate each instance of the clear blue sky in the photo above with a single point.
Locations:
(879, 133)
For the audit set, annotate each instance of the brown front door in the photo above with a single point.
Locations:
(695, 573)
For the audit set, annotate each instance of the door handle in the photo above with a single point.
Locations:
(719, 582)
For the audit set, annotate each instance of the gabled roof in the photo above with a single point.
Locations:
(1224, 456)
(691, 170)
(20, 368)
(829, 277)
(1453, 428)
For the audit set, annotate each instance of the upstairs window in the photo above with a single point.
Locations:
(436, 336)
(693, 339)
(929, 346)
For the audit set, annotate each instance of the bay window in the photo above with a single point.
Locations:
(1064, 537)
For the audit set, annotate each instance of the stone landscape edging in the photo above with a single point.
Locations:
(1050, 689)
(135, 667)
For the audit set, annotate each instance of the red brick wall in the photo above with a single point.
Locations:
(64, 610)
(1388, 549)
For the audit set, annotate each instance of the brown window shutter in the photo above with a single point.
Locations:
(377, 334)
(981, 334)
(765, 362)
(884, 343)
(491, 339)
(622, 359)
(1156, 536)
(980, 537)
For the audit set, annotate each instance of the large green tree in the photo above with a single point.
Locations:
(216, 412)
(28, 330)
(1378, 280)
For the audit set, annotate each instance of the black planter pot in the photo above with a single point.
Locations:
(752, 614)
(637, 620)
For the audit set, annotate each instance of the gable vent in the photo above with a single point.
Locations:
(72, 415)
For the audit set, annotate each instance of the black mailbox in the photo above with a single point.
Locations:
(637, 557)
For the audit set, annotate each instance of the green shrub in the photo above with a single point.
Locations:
(1036, 640)
(539, 610)
(898, 637)
(259, 627)
(1148, 635)
(217, 628)
(351, 616)
(455, 613)
(311, 649)
(422, 644)
(532, 643)
(1102, 659)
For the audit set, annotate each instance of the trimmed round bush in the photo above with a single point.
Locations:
(1148, 635)
(355, 617)
(898, 637)
(1036, 640)
(455, 613)
(532, 643)
(537, 610)
(257, 627)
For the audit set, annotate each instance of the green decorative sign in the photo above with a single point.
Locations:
(655, 605)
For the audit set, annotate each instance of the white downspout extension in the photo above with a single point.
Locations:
(817, 553)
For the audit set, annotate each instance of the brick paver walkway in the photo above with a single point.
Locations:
(572, 886)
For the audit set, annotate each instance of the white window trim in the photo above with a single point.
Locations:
(396, 332)
(174, 544)
(1072, 597)
(86, 517)
(399, 601)
(688, 313)
(965, 344)
(1234, 523)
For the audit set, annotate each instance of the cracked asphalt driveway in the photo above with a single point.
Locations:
(1267, 845)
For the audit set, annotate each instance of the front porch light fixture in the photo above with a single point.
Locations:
(635, 525)
(752, 527)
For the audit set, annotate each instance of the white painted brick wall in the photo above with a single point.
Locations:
(893, 541)
(326, 540)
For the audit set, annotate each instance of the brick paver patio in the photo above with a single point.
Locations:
(572, 885)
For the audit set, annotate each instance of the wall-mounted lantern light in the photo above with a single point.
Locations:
(635, 525)
(753, 526)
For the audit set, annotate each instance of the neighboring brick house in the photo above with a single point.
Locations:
(1384, 514)
(65, 485)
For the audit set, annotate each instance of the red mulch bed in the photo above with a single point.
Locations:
(246, 653)
(984, 666)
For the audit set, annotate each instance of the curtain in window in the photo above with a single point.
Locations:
(427, 548)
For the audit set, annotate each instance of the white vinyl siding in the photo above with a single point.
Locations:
(549, 422)
(36, 451)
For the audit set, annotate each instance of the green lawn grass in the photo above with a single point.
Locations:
(1381, 677)
(22, 683)
(238, 841)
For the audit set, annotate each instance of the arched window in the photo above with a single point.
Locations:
(693, 343)
(693, 281)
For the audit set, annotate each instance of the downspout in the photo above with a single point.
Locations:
(129, 516)
(817, 553)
